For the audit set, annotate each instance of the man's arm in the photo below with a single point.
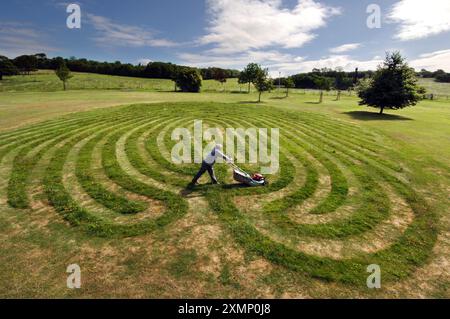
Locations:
(225, 157)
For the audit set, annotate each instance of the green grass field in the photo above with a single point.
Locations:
(85, 179)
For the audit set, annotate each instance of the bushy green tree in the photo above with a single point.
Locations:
(243, 79)
(393, 86)
(250, 74)
(7, 67)
(160, 70)
(220, 76)
(262, 83)
(341, 82)
(444, 78)
(323, 84)
(289, 84)
(188, 80)
(26, 63)
(63, 73)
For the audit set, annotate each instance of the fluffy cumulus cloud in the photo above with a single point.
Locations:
(239, 25)
(262, 31)
(110, 33)
(345, 48)
(420, 19)
(433, 61)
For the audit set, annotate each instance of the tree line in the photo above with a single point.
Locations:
(438, 76)
(185, 78)
(26, 64)
(328, 79)
(325, 79)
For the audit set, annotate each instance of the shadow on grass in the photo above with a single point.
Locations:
(239, 92)
(234, 186)
(278, 98)
(372, 116)
(192, 191)
(251, 102)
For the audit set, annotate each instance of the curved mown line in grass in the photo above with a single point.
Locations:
(339, 187)
(96, 190)
(23, 141)
(153, 150)
(407, 252)
(357, 148)
(285, 178)
(61, 200)
(356, 144)
(12, 136)
(376, 209)
(136, 159)
(369, 143)
(23, 164)
(349, 153)
(176, 205)
(397, 261)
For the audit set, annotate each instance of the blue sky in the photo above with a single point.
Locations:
(287, 36)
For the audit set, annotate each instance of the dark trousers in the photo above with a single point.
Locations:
(205, 168)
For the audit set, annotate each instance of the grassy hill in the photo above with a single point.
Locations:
(47, 81)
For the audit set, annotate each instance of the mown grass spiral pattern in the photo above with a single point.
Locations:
(131, 178)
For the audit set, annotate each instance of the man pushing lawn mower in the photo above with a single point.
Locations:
(208, 164)
(239, 175)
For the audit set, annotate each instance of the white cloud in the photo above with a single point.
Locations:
(115, 34)
(345, 62)
(420, 19)
(18, 39)
(287, 64)
(433, 61)
(345, 48)
(240, 25)
(144, 61)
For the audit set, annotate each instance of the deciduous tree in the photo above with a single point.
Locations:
(189, 80)
(323, 84)
(250, 74)
(26, 63)
(220, 76)
(289, 83)
(63, 73)
(262, 83)
(7, 67)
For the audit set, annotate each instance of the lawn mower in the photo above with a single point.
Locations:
(239, 175)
